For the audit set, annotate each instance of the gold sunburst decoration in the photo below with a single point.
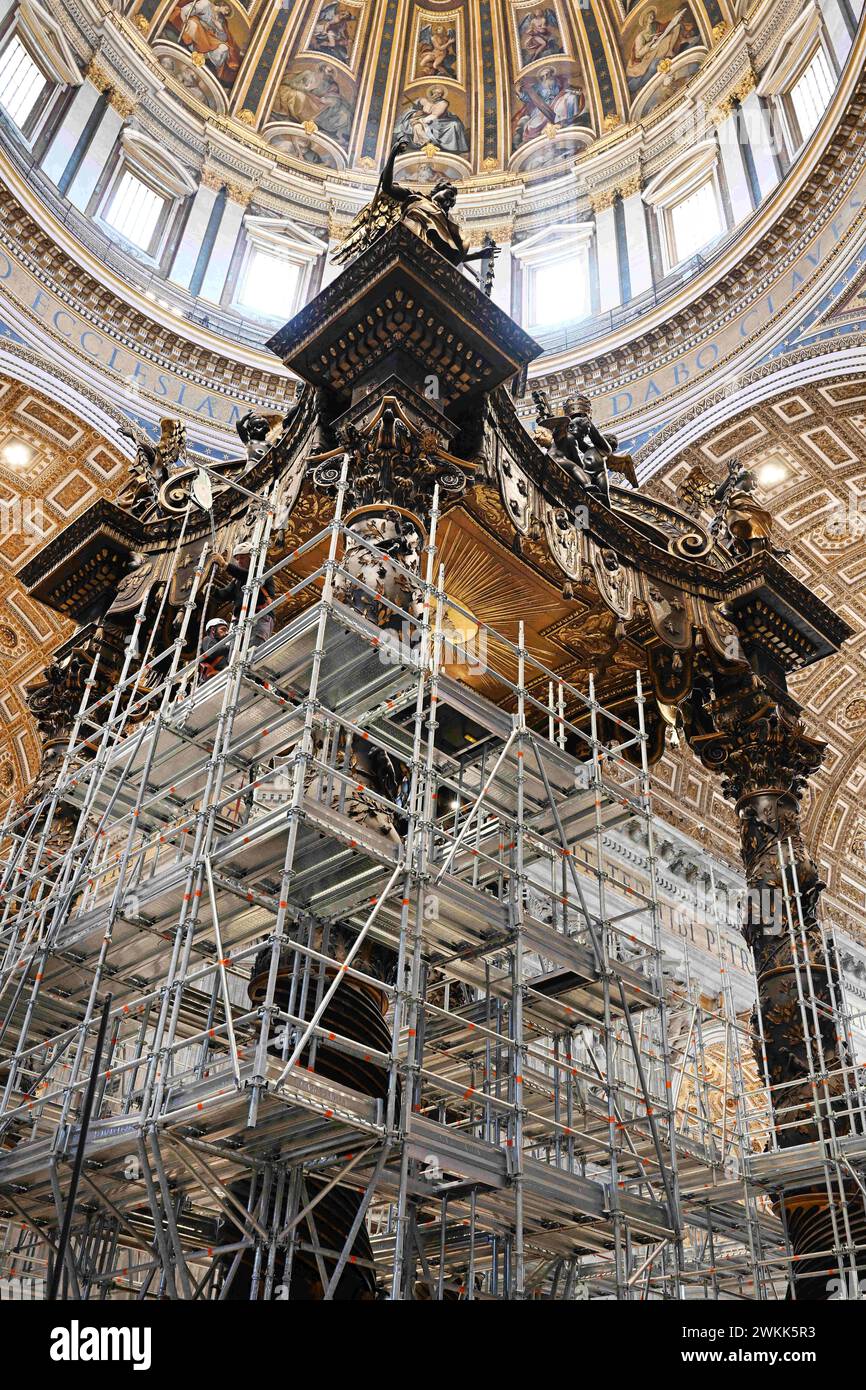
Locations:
(489, 592)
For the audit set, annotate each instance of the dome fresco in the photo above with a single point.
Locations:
(484, 85)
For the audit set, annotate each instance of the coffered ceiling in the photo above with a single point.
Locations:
(51, 467)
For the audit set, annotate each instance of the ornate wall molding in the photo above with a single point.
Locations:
(144, 366)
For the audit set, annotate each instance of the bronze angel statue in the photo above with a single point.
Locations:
(739, 516)
(152, 465)
(428, 215)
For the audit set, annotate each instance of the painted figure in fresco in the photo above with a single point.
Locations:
(334, 31)
(551, 99)
(314, 94)
(670, 86)
(437, 51)
(654, 41)
(548, 156)
(190, 79)
(301, 147)
(429, 120)
(539, 36)
(305, 149)
(203, 27)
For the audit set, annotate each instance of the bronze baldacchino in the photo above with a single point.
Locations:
(425, 214)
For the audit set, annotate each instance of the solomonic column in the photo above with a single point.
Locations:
(765, 757)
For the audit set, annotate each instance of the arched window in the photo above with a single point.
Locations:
(276, 269)
(145, 187)
(800, 80)
(811, 93)
(36, 64)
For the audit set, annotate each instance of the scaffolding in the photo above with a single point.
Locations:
(539, 1110)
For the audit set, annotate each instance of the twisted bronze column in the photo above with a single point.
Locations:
(764, 756)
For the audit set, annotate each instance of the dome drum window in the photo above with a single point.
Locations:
(35, 64)
(135, 210)
(144, 190)
(22, 82)
(555, 276)
(811, 93)
(686, 199)
(799, 83)
(276, 275)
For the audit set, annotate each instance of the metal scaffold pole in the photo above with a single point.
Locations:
(412, 1034)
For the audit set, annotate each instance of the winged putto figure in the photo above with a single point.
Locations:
(152, 465)
(575, 441)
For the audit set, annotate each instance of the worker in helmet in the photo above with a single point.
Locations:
(216, 631)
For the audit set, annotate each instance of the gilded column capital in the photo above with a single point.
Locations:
(211, 178)
(338, 228)
(747, 84)
(502, 233)
(240, 193)
(100, 78)
(122, 102)
(602, 198)
(97, 76)
(719, 113)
